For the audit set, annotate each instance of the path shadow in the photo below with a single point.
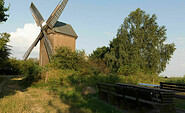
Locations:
(14, 84)
(85, 104)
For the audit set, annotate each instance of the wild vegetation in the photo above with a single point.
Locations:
(137, 54)
(4, 49)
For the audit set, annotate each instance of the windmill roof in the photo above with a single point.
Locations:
(64, 28)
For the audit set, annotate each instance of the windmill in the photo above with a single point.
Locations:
(53, 34)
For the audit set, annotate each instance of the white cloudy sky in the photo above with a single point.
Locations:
(96, 23)
(22, 38)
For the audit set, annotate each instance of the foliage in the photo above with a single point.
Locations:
(64, 58)
(140, 41)
(67, 71)
(97, 61)
(128, 69)
(179, 103)
(4, 49)
(180, 80)
(4, 39)
(99, 53)
(3, 16)
(28, 67)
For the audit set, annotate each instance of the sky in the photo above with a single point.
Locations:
(96, 23)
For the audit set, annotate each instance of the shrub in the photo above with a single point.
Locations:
(23, 67)
(64, 58)
(34, 73)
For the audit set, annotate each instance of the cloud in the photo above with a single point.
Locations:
(22, 39)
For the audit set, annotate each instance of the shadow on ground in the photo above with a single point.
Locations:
(85, 104)
(55, 107)
(12, 84)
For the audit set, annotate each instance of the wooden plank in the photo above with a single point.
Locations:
(180, 96)
(155, 89)
(174, 89)
(149, 102)
(174, 86)
(172, 83)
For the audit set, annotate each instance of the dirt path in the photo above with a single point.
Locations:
(6, 78)
(2, 85)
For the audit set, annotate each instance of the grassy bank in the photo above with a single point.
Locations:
(56, 96)
(44, 98)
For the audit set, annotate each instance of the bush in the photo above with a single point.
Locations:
(64, 58)
(34, 73)
(21, 67)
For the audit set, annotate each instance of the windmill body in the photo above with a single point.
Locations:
(53, 35)
(62, 35)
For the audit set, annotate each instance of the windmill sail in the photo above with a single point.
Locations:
(56, 13)
(36, 15)
(47, 45)
(50, 23)
(39, 20)
(32, 46)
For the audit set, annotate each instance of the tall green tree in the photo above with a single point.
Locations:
(140, 41)
(99, 53)
(4, 49)
(4, 37)
(3, 10)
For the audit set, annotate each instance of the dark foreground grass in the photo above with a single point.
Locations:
(180, 103)
(1, 79)
(85, 104)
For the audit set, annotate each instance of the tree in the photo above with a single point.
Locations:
(140, 41)
(4, 49)
(99, 52)
(3, 16)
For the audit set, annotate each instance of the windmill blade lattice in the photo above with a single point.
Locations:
(56, 13)
(36, 15)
